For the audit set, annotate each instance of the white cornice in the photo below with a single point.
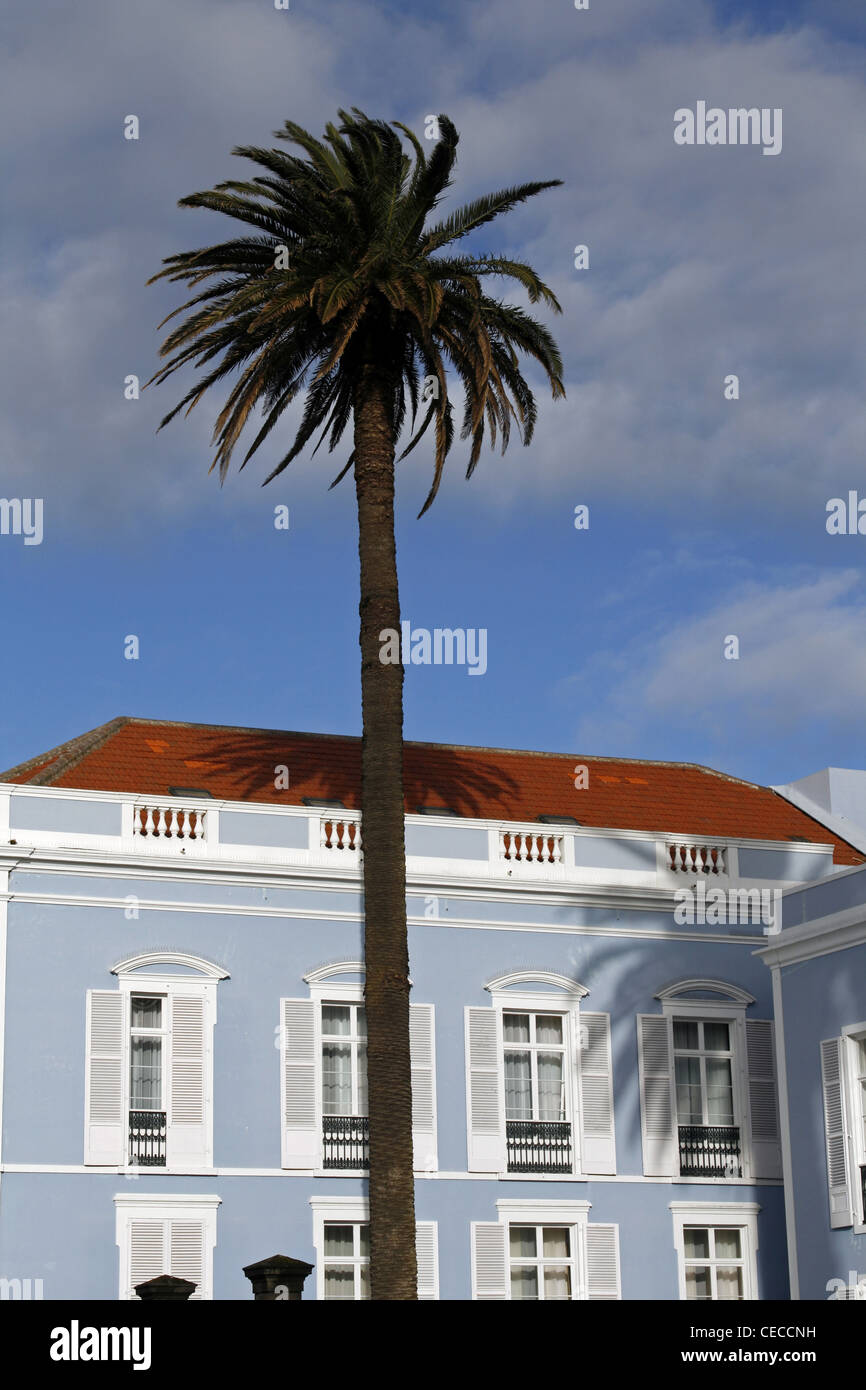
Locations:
(132, 963)
(836, 932)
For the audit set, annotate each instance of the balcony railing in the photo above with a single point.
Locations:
(169, 825)
(346, 1141)
(538, 1146)
(147, 1136)
(863, 1194)
(697, 859)
(710, 1151)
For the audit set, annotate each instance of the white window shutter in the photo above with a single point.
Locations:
(763, 1099)
(602, 1261)
(489, 1268)
(598, 1146)
(422, 1049)
(187, 1253)
(147, 1253)
(658, 1116)
(104, 1120)
(427, 1250)
(301, 1128)
(485, 1064)
(835, 1129)
(187, 1129)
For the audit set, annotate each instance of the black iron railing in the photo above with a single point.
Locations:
(538, 1146)
(346, 1141)
(863, 1193)
(147, 1138)
(710, 1151)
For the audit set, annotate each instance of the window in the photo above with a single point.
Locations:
(341, 1236)
(147, 1127)
(347, 1260)
(541, 1249)
(716, 1247)
(160, 1233)
(323, 1062)
(534, 1066)
(709, 1141)
(709, 1106)
(149, 1066)
(541, 1262)
(843, 1082)
(713, 1258)
(344, 1059)
(539, 1082)
(537, 1126)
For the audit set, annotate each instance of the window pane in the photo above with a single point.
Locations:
(555, 1242)
(362, 1078)
(522, 1242)
(145, 1082)
(727, 1245)
(720, 1096)
(557, 1281)
(340, 1241)
(516, 1027)
(365, 1281)
(524, 1282)
(339, 1281)
(337, 1079)
(146, 1013)
(685, 1034)
(364, 1238)
(698, 1283)
(717, 1037)
(548, 1029)
(729, 1283)
(336, 1020)
(688, 1078)
(550, 1089)
(361, 1021)
(696, 1243)
(518, 1086)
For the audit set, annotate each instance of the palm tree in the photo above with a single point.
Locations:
(342, 295)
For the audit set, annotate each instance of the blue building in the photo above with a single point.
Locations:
(596, 1064)
(818, 965)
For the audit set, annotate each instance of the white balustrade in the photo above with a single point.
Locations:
(697, 859)
(517, 846)
(340, 834)
(169, 823)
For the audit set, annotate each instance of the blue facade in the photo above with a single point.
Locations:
(819, 967)
(84, 901)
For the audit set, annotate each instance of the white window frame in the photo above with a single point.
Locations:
(347, 1211)
(739, 1216)
(854, 1111)
(730, 1009)
(703, 1054)
(165, 986)
(555, 994)
(352, 1039)
(573, 1214)
(160, 1206)
(330, 991)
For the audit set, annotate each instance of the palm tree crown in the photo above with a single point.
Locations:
(345, 271)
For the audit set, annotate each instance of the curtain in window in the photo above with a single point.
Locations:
(550, 1089)
(145, 1090)
(688, 1079)
(518, 1086)
(720, 1095)
(336, 1079)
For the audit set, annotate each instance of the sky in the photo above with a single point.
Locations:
(707, 516)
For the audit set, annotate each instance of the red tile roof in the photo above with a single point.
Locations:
(147, 756)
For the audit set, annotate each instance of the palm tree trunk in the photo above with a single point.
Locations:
(392, 1187)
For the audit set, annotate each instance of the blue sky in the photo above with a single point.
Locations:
(707, 517)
